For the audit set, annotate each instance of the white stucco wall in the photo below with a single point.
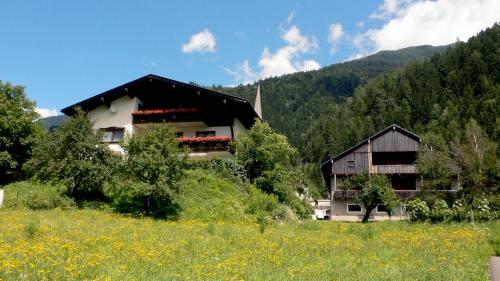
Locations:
(119, 115)
(238, 128)
(190, 130)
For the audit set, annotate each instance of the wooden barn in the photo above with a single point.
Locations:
(392, 152)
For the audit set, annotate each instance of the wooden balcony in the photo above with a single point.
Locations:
(206, 144)
(402, 194)
(166, 115)
(394, 169)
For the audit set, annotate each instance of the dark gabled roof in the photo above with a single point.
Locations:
(136, 88)
(391, 127)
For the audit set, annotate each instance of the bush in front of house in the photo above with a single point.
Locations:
(479, 210)
(417, 210)
(441, 212)
(461, 211)
(36, 196)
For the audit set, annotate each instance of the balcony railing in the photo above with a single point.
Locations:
(394, 169)
(402, 194)
(166, 115)
(206, 144)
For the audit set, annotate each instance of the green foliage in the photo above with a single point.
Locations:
(260, 202)
(31, 229)
(226, 167)
(149, 177)
(461, 211)
(479, 210)
(73, 156)
(417, 210)
(18, 131)
(477, 156)
(373, 190)
(206, 196)
(36, 196)
(286, 185)
(441, 212)
(261, 150)
(434, 162)
(267, 158)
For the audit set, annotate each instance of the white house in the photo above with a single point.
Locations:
(205, 120)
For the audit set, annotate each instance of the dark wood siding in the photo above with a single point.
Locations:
(340, 166)
(394, 141)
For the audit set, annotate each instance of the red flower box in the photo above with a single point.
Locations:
(205, 139)
(164, 111)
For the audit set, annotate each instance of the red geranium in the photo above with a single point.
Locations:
(205, 139)
(164, 111)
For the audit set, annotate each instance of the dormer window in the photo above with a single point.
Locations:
(112, 135)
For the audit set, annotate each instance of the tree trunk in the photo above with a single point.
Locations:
(367, 214)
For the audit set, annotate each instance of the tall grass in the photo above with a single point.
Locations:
(95, 245)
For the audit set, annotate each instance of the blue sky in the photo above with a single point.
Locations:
(66, 51)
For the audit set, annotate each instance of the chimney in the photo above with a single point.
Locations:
(257, 107)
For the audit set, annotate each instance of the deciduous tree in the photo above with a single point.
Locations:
(18, 131)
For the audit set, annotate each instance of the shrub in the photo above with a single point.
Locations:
(284, 213)
(441, 212)
(461, 211)
(261, 202)
(482, 211)
(204, 195)
(417, 210)
(227, 168)
(130, 196)
(35, 196)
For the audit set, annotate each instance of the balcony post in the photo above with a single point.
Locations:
(332, 194)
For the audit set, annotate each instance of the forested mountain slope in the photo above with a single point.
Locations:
(294, 102)
(439, 95)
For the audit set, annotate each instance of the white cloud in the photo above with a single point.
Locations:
(290, 17)
(389, 8)
(335, 33)
(243, 73)
(46, 112)
(422, 22)
(201, 42)
(288, 59)
(360, 24)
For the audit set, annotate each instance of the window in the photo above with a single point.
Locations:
(381, 209)
(112, 135)
(179, 134)
(203, 134)
(353, 208)
(351, 163)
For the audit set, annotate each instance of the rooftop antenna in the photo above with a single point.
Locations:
(257, 107)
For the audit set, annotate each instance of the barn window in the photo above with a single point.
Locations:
(112, 135)
(353, 208)
(351, 163)
(203, 134)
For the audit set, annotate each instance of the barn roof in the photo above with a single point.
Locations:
(328, 163)
(155, 87)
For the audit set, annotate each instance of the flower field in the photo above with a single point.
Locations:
(96, 245)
